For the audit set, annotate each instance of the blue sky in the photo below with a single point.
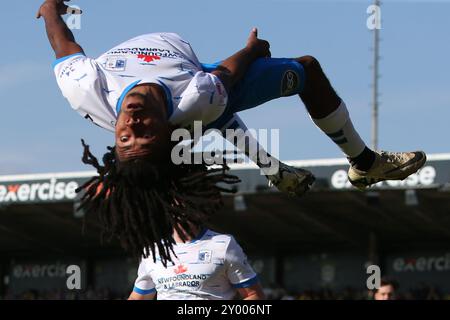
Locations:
(42, 134)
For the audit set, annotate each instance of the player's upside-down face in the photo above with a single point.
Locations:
(142, 129)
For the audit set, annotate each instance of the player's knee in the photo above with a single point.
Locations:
(310, 64)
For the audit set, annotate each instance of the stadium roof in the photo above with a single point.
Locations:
(37, 212)
(324, 169)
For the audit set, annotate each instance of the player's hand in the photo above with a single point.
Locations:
(56, 5)
(258, 47)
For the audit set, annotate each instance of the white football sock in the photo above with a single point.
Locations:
(245, 142)
(338, 126)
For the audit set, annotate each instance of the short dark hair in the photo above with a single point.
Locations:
(386, 281)
(140, 202)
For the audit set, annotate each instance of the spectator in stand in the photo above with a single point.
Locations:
(386, 291)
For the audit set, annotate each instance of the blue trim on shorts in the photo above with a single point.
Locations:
(144, 292)
(124, 93)
(247, 283)
(58, 61)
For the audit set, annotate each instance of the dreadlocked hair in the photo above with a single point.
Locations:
(141, 203)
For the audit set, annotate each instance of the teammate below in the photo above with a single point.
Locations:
(211, 266)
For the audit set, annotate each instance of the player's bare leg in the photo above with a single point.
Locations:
(329, 113)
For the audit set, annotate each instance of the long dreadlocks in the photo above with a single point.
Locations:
(141, 203)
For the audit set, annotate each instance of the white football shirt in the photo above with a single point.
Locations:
(96, 87)
(210, 267)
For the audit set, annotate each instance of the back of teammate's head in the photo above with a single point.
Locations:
(141, 202)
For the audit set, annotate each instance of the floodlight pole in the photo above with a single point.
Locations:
(376, 58)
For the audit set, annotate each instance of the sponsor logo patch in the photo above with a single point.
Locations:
(115, 63)
(289, 83)
(204, 256)
(52, 190)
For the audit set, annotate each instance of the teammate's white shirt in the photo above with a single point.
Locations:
(96, 87)
(211, 267)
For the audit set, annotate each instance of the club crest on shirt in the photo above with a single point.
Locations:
(204, 256)
(115, 63)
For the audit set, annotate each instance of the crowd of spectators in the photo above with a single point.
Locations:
(272, 292)
(421, 292)
(89, 294)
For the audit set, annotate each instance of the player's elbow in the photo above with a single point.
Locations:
(256, 296)
(254, 292)
(136, 296)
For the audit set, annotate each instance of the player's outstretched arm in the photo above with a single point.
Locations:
(232, 69)
(59, 35)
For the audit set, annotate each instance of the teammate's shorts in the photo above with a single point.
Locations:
(265, 80)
